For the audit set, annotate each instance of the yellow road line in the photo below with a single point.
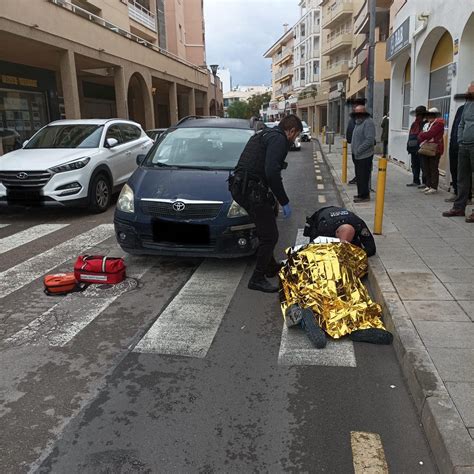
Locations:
(368, 456)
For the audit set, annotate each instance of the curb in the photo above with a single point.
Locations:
(447, 436)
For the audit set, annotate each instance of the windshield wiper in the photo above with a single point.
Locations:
(163, 165)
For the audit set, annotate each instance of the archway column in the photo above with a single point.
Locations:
(173, 96)
(72, 104)
(148, 103)
(120, 93)
(192, 102)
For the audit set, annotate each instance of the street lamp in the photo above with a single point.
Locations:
(214, 68)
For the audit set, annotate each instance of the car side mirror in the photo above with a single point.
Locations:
(111, 142)
(25, 143)
(140, 159)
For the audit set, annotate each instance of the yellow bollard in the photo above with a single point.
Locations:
(344, 161)
(380, 196)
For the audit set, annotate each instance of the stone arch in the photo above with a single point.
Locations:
(139, 98)
(465, 73)
(397, 90)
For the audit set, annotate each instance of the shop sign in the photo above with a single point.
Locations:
(18, 81)
(399, 40)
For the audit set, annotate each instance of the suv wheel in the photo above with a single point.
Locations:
(100, 194)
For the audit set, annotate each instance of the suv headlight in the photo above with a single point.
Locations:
(235, 210)
(125, 201)
(72, 165)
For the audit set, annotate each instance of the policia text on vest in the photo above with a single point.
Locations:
(257, 186)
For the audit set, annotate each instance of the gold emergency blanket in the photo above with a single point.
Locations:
(326, 278)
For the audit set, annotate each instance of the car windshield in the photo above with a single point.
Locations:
(207, 148)
(67, 136)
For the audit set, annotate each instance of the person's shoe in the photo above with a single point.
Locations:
(451, 199)
(353, 181)
(413, 184)
(260, 283)
(454, 212)
(423, 190)
(470, 218)
(431, 191)
(422, 186)
(315, 334)
(361, 199)
(273, 270)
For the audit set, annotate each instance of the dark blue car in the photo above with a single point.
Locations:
(177, 202)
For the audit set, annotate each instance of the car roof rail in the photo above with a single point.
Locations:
(192, 117)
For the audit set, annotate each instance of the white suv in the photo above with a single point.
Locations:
(73, 163)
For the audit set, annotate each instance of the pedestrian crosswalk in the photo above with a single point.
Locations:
(187, 326)
(3, 225)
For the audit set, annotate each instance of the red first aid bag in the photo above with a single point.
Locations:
(99, 269)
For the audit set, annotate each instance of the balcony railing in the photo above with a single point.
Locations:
(335, 70)
(336, 42)
(141, 15)
(336, 11)
(120, 31)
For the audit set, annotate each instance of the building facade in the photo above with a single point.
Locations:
(99, 59)
(431, 52)
(243, 94)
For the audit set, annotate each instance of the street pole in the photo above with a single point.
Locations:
(214, 68)
(371, 58)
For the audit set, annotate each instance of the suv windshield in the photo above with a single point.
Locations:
(209, 148)
(67, 136)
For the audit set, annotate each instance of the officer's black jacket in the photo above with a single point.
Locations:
(326, 220)
(264, 157)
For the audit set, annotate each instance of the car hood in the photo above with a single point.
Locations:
(41, 159)
(180, 184)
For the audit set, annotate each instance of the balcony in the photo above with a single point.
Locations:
(141, 15)
(335, 12)
(284, 74)
(335, 71)
(286, 54)
(337, 43)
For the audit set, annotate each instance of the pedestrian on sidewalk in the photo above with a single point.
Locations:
(363, 144)
(350, 127)
(432, 147)
(384, 135)
(413, 146)
(256, 183)
(465, 158)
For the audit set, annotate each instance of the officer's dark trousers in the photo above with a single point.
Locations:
(363, 171)
(465, 171)
(416, 168)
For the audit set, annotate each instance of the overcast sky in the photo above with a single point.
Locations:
(238, 32)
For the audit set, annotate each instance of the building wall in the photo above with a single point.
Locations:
(195, 32)
(175, 27)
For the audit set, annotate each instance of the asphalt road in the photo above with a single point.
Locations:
(183, 369)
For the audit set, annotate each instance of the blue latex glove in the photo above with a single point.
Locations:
(286, 211)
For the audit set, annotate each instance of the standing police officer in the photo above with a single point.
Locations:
(256, 183)
(332, 221)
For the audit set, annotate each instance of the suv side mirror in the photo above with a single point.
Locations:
(25, 143)
(140, 159)
(111, 142)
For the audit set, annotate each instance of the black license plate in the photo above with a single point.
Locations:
(14, 195)
(180, 233)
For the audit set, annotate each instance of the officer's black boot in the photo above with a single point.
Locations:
(273, 268)
(258, 282)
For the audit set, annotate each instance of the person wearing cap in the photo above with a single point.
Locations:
(465, 158)
(434, 134)
(350, 127)
(413, 146)
(363, 144)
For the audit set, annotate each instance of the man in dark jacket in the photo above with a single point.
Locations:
(350, 127)
(338, 222)
(413, 146)
(256, 183)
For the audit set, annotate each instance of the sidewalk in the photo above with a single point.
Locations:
(423, 275)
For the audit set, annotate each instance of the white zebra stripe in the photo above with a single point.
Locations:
(297, 349)
(189, 324)
(3, 225)
(26, 272)
(28, 235)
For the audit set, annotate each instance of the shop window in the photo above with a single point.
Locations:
(406, 96)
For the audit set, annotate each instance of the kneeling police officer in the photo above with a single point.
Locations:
(256, 183)
(338, 222)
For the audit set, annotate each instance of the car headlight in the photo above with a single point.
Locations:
(235, 210)
(72, 165)
(125, 201)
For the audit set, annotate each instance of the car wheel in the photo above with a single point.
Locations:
(100, 194)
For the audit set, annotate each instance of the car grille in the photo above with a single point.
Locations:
(33, 180)
(191, 210)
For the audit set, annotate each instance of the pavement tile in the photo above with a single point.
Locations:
(443, 261)
(446, 334)
(442, 251)
(463, 397)
(454, 365)
(468, 307)
(461, 291)
(455, 275)
(419, 286)
(435, 311)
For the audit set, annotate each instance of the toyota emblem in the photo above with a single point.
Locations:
(179, 206)
(22, 175)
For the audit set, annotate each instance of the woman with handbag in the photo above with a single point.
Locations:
(413, 146)
(431, 148)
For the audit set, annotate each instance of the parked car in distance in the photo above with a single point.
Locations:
(296, 146)
(178, 202)
(306, 133)
(155, 133)
(73, 163)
